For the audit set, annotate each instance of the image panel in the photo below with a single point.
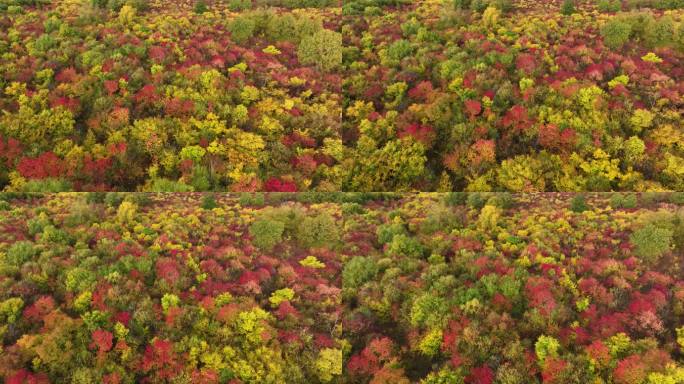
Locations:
(534, 288)
(519, 96)
(200, 95)
(170, 288)
(341, 288)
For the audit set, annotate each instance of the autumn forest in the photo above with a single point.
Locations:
(342, 288)
(375, 95)
(342, 191)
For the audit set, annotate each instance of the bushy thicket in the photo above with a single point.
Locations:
(116, 5)
(641, 27)
(501, 294)
(161, 287)
(296, 3)
(459, 103)
(245, 102)
(370, 7)
(425, 288)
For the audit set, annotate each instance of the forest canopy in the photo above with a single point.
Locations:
(366, 95)
(342, 288)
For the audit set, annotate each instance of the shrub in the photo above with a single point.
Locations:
(357, 271)
(44, 43)
(661, 32)
(201, 179)
(36, 224)
(477, 200)
(677, 198)
(651, 58)
(140, 5)
(126, 212)
(651, 242)
(546, 346)
(503, 5)
(616, 33)
(568, 7)
(82, 302)
(20, 252)
(241, 29)
(127, 15)
(10, 310)
(79, 280)
(95, 197)
(522, 173)
(239, 5)
(329, 364)
(114, 199)
(256, 199)
(609, 5)
(502, 200)
(399, 49)
(352, 208)
(317, 231)
(372, 11)
(169, 301)
(200, 7)
(98, 3)
(428, 310)
(80, 213)
(488, 218)
(456, 198)
(54, 235)
(619, 200)
(641, 119)
(429, 345)
(395, 166)
(490, 17)
(209, 202)
(440, 218)
(266, 233)
(630, 370)
(116, 5)
(410, 27)
(281, 295)
(166, 185)
(290, 28)
(479, 5)
(290, 216)
(404, 245)
(141, 199)
(386, 232)
(650, 198)
(311, 262)
(634, 149)
(461, 4)
(578, 204)
(322, 49)
(49, 185)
